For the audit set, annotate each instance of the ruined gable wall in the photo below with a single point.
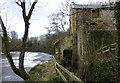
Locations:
(108, 17)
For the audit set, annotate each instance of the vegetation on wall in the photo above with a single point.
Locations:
(100, 38)
(102, 66)
(117, 17)
(103, 71)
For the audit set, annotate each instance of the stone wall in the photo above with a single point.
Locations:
(90, 33)
(62, 44)
(82, 22)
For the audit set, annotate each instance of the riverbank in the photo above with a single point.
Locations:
(44, 72)
(31, 59)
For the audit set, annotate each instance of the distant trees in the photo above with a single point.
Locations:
(26, 17)
(44, 43)
(33, 44)
(13, 35)
(14, 41)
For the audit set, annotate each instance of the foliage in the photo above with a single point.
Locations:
(59, 59)
(44, 72)
(44, 43)
(99, 67)
(117, 17)
(100, 38)
(36, 44)
(102, 71)
(54, 78)
(35, 73)
(14, 42)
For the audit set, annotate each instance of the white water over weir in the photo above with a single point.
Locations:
(31, 59)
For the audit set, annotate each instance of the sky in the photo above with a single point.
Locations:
(12, 17)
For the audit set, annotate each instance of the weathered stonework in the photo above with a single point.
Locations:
(88, 22)
(92, 27)
(63, 44)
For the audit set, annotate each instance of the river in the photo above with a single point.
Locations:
(31, 59)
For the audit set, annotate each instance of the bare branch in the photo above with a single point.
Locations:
(22, 5)
(31, 9)
(23, 10)
(18, 4)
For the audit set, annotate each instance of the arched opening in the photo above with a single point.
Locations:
(67, 57)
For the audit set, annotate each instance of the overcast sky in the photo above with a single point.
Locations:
(39, 19)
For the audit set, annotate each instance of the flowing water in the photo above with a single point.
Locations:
(31, 59)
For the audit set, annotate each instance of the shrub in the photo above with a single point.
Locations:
(53, 78)
(102, 71)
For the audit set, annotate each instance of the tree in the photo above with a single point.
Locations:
(117, 12)
(33, 44)
(26, 17)
(13, 35)
(65, 7)
(57, 23)
(15, 42)
(59, 20)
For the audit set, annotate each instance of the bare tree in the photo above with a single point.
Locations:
(13, 35)
(65, 7)
(59, 20)
(65, 10)
(26, 17)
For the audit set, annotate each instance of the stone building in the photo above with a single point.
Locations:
(63, 44)
(63, 50)
(92, 27)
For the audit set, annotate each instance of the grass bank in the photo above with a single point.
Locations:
(44, 72)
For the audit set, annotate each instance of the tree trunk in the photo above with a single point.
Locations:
(21, 71)
(7, 50)
(26, 19)
(22, 54)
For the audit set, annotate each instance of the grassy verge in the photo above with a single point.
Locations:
(44, 72)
